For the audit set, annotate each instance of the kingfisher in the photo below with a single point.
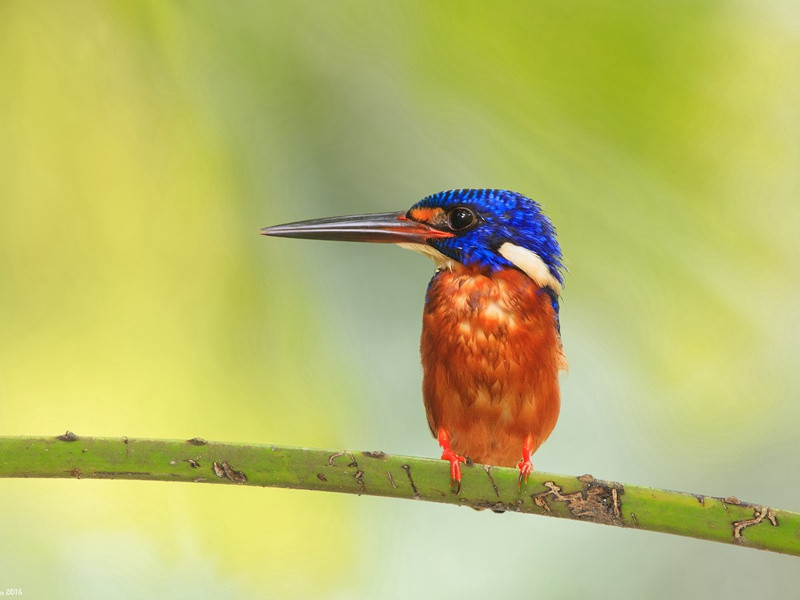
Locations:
(491, 342)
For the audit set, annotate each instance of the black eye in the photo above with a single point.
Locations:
(460, 218)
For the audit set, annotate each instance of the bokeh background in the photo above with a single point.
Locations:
(142, 146)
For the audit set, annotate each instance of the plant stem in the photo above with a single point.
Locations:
(583, 498)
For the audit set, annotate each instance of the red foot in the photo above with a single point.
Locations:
(525, 466)
(455, 459)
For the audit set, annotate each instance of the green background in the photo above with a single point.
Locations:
(142, 146)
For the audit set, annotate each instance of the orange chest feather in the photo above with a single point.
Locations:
(491, 354)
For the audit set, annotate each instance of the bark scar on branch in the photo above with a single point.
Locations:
(223, 469)
(759, 514)
(599, 501)
(407, 469)
(488, 470)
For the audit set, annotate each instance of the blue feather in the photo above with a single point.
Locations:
(506, 216)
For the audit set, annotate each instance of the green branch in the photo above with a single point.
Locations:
(374, 473)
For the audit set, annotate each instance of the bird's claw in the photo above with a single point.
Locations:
(455, 468)
(525, 467)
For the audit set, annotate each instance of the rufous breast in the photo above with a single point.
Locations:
(491, 355)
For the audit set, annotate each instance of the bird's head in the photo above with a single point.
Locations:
(490, 229)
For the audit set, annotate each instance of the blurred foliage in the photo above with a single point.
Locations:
(142, 145)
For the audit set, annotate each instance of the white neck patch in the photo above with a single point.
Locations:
(531, 264)
(440, 260)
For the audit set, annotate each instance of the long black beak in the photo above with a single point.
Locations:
(386, 228)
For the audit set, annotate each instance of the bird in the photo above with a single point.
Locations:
(491, 341)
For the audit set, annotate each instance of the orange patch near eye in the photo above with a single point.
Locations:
(425, 215)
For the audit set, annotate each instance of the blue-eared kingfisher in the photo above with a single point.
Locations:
(491, 343)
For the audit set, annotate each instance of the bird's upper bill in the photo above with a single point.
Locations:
(388, 228)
